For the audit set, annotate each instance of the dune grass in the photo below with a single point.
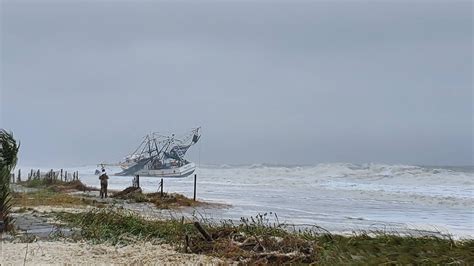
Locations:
(52, 193)
(121, 226)
(48, 197)
(56, 185)
(255, 240)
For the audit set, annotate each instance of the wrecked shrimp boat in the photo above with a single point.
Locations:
(161, 156)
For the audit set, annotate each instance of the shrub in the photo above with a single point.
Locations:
(8, 159)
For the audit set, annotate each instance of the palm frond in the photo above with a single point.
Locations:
(8, 159)
(8, 150)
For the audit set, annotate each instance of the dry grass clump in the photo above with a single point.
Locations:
(130, 193)
(70, 186)
(165, 201)
(57, 185)
(171, 200)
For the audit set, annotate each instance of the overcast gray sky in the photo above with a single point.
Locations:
(287, 82)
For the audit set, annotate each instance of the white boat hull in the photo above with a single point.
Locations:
(182, 171)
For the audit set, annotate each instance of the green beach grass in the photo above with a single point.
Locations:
(255, 240)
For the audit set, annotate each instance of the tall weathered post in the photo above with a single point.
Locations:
(19, 175)
(195, 178)
(61, 174)
(161, 186)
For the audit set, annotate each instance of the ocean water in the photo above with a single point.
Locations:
(339, 197)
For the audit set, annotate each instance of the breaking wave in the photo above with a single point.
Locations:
(433, 185)
(370, 171)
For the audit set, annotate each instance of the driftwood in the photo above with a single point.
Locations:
(203, 232)
(249, 248)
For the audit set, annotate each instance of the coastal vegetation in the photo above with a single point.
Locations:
(48, 197)
(161, 200)
(51, 192)
(263, 240)
(8, 158)
(56, 185)
(54, 192)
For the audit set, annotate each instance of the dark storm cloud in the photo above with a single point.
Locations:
(282, 82)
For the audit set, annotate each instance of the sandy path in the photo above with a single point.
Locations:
(57, 252)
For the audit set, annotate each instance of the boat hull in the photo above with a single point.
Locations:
(177, 172)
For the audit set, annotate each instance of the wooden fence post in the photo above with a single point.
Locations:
(195, 178)
(161, 193)
(61, 174)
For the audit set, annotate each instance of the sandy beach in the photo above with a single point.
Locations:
(70, 253)
(34, 242)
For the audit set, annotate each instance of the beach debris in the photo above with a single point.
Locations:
(128, 193)
(203, 231)
(262, 247)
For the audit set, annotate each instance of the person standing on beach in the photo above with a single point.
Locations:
(103, 184)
